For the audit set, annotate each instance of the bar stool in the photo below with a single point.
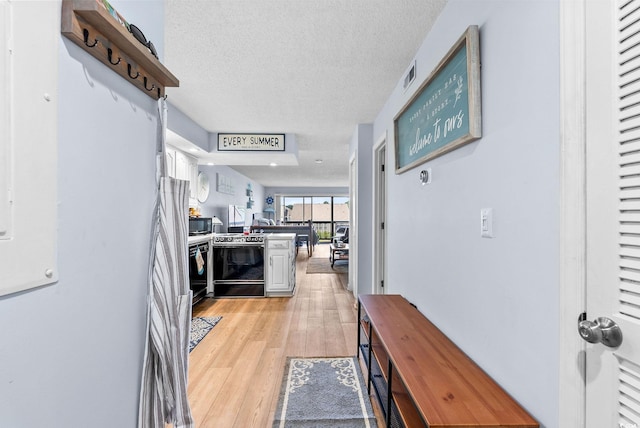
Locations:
(303, 239)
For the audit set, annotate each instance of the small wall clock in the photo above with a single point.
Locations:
(203, 186)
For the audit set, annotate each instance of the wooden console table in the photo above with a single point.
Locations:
(421, 378)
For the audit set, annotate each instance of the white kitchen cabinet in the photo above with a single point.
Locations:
(171, 161)
(192, 170)
(280, 271)
(183, 167)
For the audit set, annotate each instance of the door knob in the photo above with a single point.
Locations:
(603, 330)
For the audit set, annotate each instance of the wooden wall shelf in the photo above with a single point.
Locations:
(89, 25)
(421, 378)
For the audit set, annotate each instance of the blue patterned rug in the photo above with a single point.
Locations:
(200, 326)
(323, 392)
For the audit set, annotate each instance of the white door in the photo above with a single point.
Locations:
(613, 209)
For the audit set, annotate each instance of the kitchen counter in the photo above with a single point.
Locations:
(196, 239)
(233, 262)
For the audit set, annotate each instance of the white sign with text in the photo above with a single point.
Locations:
(251, 142)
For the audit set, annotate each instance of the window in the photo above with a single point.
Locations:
(326, 212)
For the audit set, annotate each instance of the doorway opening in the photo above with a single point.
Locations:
(379, 215)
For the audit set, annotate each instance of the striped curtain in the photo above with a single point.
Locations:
(163, 396)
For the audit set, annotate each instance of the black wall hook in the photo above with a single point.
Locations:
(129, 71)
(110, 55)
(145, 85)
(85, 32)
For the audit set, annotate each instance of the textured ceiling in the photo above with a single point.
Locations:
(313, 68)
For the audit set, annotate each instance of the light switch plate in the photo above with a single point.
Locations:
(486, 222)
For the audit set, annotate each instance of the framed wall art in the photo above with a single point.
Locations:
(444, 113)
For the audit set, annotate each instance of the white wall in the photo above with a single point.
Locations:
(71, 353)
(362, 144)
(496, 298)
(217, 204)
(184, 126)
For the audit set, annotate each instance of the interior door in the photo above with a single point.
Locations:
(380, 209)
(613, 209)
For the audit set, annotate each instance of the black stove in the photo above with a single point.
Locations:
(238, 265)
(238, 239)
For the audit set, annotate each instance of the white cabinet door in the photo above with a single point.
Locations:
(170, 155)
(182, 166)
(193, 177)
(280, 270)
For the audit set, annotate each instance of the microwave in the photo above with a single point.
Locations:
(200, 225)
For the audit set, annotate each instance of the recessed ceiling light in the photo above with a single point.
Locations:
(273, 164)
(209, 163)
(193, 150)
(318, 160)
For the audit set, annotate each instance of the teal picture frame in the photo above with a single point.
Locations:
(445, 112)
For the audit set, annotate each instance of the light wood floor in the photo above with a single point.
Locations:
(236, 370)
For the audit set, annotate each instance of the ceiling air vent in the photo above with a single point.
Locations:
(409, 76)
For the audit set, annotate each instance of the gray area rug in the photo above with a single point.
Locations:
(200, 326)
(323, 392)
(323, 265)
